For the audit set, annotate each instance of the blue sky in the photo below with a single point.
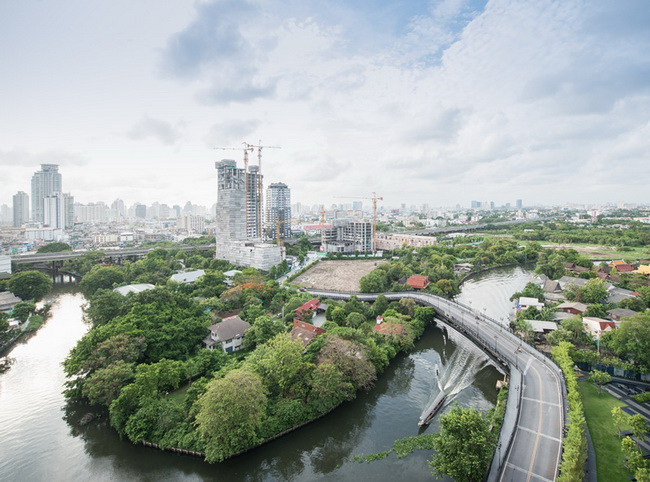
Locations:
(436, 102)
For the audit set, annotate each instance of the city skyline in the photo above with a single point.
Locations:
(427, 102)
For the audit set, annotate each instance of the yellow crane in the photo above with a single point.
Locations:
(374, 199)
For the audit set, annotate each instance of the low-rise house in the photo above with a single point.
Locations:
(597, 326)
(418, 281)
(643, 269)
(526, 302)
(188, 277)
(542, 327)
(230, 275)
(617, 314)
(552, 290)
(7, 301)
(227, 335)
(574, 268)
(387, 328)
(616, 295)
(307, 310)
(561, 315)
(305, 332)
(573, 307)
(624, 268)
(570, 280)
(136, 288)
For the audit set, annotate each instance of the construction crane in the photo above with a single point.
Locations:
(374, 199)
(260, 189)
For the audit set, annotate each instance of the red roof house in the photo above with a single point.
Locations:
(306, 310)
(305, 332)
(418, 281)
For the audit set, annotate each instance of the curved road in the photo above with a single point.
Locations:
(530, 443)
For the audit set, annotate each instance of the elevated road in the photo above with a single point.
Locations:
(530, 443)
(108, 253)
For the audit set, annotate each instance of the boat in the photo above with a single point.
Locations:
(432, 409)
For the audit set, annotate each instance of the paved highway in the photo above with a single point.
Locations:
(530, 443)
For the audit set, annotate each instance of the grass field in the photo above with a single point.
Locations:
(602, 252)
(598, 412)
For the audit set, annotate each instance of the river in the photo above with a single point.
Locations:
(42, 437)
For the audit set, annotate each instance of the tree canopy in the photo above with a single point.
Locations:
(30, 285)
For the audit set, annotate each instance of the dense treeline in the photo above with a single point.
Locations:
(437, 263)
(143, 359)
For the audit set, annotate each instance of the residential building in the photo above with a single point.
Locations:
(191, 224)
(95, 213)
(526, 302)
(68, 211)
(7, 301)
(188, 277)
(597, 326)
(418, 282)
(573, 307)
(398, 241)
(227, 335)
(53, 215)
(305, 332)
(21, 208)
(617, 314)
(135, 288)
(278, 210)
(45, 182)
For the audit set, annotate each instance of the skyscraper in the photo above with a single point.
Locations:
(278, 210)
(238, 228)
(45, 182)
(53, 212)
(21, 208)
(520, 204)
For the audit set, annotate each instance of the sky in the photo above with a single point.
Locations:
(438, 102)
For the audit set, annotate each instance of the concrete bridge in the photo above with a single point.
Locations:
(113, 254)
(530, 442)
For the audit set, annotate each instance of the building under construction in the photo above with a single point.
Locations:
(346, 236)
(239, 218)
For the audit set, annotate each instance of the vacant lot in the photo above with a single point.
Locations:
(341, 275)
(603, 252)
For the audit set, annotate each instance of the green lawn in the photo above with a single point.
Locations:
(594, 251)
(598, 412)
(179, 395)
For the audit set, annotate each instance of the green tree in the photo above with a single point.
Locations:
(633, 303)
(619, 417)
(599, 378)
(639, 426)
(329, 387)
(104, 305)
(464, 445)
(29, 285)
(101, 277)
(55, 247)
(350, 358)
(373, 282)
(279, 363)
(380, 305)
(531, 290)
(229, 414)
(262, 331)
(104, 385)
(355, 320)
(595, 291)
(22, 310)
(631, 340)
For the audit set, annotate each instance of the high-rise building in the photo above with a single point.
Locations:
(236, 241)
(278, 210)
(45, 182)
(118, 211)
(520, 204)
(53, 215)
(254, 203)
(140, 211)
(21, 208)
(68, 211)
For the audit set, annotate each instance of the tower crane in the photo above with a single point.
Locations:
(374, 199)
(260, 189)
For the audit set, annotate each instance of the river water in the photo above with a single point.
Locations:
(43, 440)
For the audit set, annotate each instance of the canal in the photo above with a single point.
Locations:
(43, 439)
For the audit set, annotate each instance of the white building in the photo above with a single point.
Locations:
(228, 335)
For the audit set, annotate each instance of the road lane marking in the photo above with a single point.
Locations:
(539, 427)
(542, 402)
(512, 466)
(542, 434)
